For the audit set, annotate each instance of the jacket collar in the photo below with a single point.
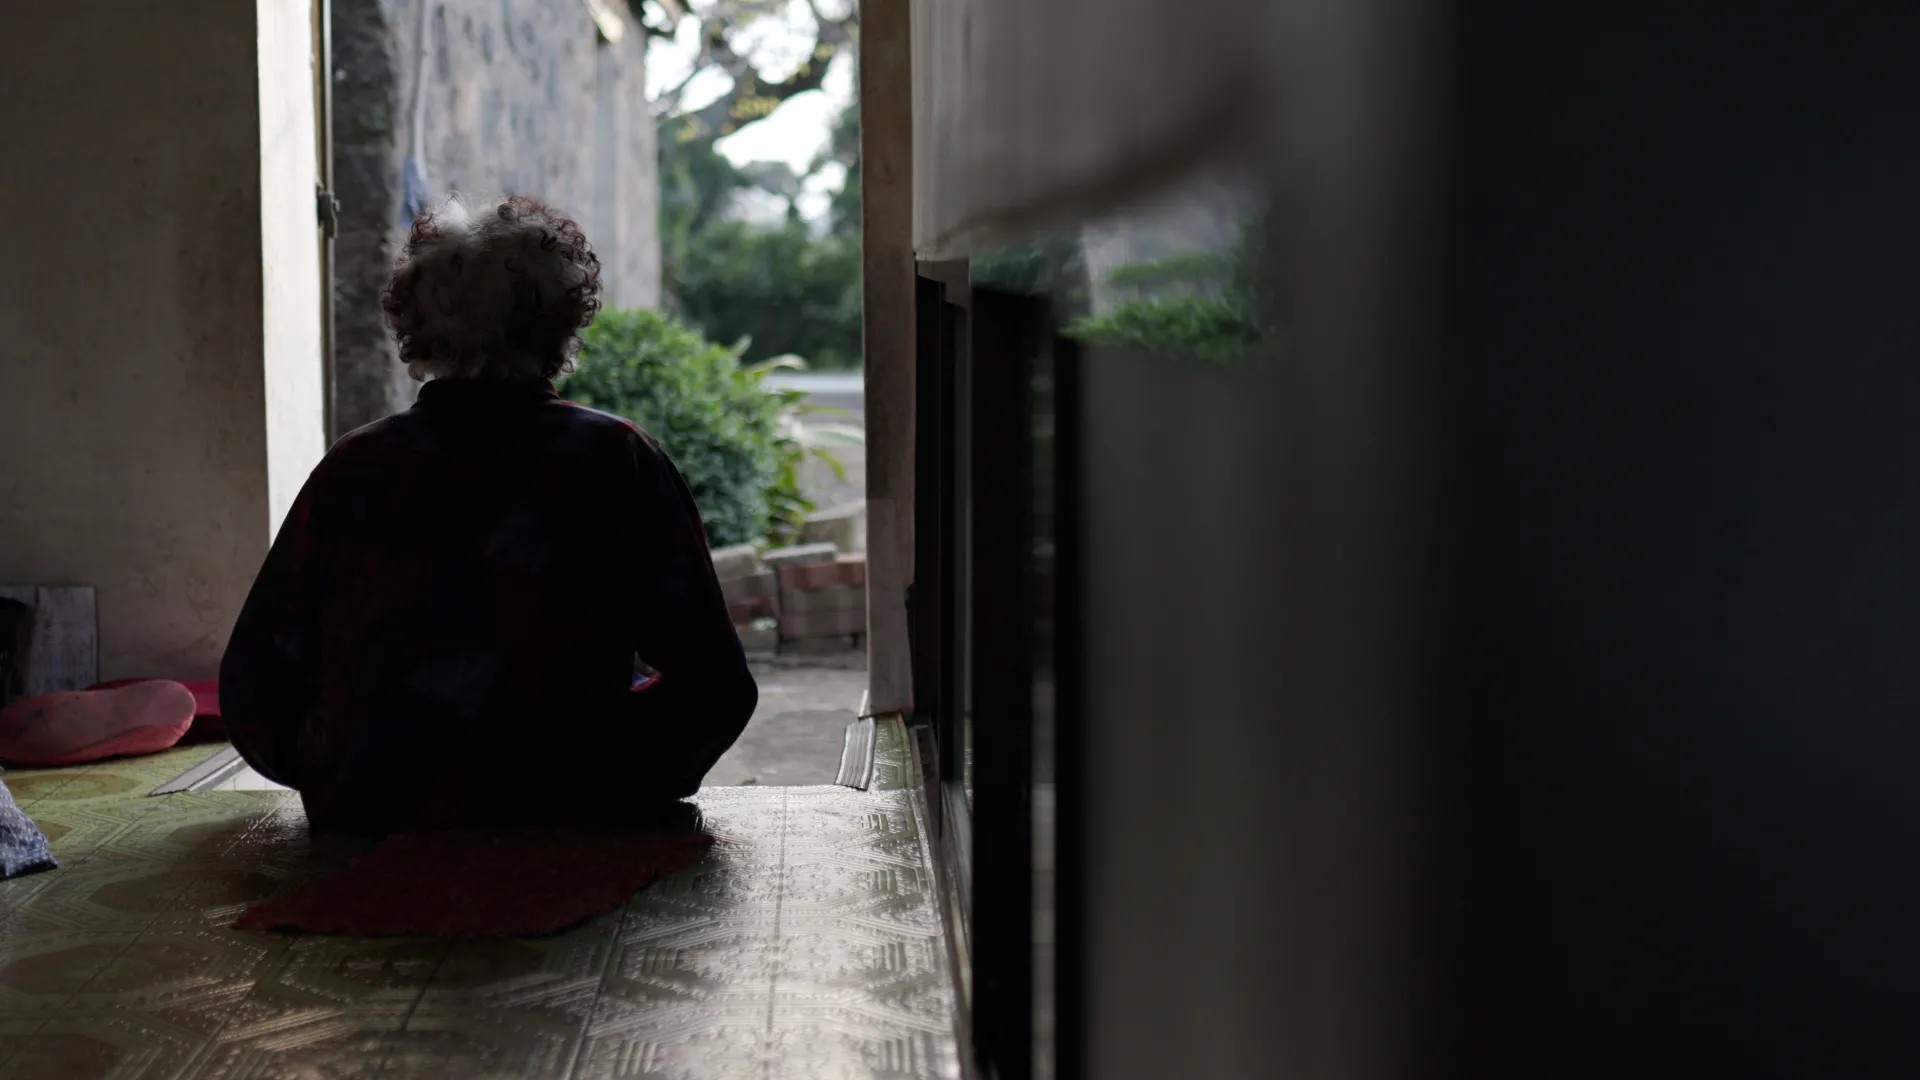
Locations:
(458, 393)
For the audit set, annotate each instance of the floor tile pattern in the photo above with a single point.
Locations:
(806, 945)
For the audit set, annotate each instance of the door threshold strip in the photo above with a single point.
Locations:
(857, 754)
(224, 765)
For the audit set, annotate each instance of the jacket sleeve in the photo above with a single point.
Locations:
(269, 677)
(706, 693)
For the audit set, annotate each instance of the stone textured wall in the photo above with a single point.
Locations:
(369, 120)
(520, 96)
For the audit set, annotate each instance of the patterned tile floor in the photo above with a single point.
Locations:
(806, 945)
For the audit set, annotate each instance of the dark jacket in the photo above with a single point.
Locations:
(447, 627)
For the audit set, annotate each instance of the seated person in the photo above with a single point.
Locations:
(451, 626)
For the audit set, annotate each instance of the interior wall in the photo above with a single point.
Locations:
(1282, 779)
(1547, 608)
(1046, 111)
(1681, 350)
(134, 434)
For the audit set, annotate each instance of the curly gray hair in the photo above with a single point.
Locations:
(492, 291)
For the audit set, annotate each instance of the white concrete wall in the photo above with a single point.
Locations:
(289, 253)
(135, 335)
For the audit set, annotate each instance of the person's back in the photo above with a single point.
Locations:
(464, 591)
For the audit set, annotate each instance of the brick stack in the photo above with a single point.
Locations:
(752, 589)
(810, 598)
(845, 527)
(823, 605)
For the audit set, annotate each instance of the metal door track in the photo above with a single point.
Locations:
(224, 765)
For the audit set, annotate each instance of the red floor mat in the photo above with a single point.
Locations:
(481, 883)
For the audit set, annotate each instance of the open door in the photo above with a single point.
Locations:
(326, 205)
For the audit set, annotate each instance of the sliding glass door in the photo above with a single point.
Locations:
(993, 658)
(941, 596)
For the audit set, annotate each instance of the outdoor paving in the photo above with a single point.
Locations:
(798, 728)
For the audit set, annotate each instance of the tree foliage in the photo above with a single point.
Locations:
(843, 148)
(752, 95)
(784, 289)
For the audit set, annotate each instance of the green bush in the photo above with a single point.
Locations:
(708, 411)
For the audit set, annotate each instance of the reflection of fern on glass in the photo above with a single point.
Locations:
(1021, 271)
(1052, 269)
(1208, 305)
(739, 444)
